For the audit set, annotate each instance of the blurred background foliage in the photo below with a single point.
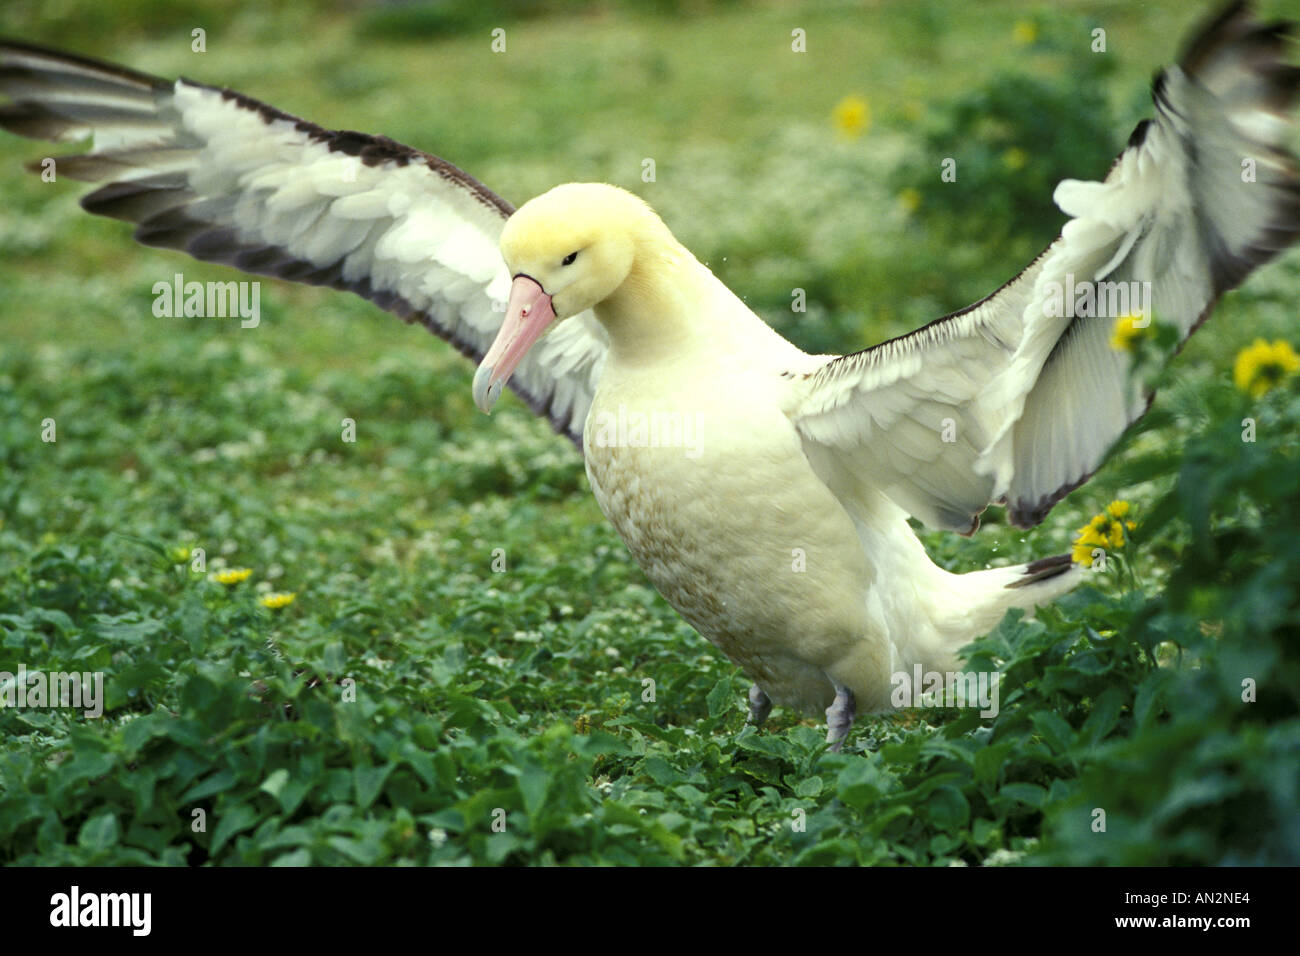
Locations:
(817, 171)
(751, 169)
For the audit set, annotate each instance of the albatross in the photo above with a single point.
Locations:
(781, 530)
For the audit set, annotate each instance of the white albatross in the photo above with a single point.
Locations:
(608, 315)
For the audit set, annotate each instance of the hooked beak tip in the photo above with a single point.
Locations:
(486, 391)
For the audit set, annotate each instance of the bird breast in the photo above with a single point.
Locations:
(710, 490)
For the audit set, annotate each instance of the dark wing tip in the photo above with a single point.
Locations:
(12, 50)
(1026, 513)
(1225, 26)
(34, 121)
(1043, 569)
(138, 200)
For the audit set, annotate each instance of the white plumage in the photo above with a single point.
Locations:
(770, 508)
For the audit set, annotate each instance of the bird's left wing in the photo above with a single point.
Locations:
(228, 179)
(1019, 397)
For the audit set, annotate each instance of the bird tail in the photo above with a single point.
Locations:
(983, 597)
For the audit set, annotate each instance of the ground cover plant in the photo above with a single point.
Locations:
(427, 646)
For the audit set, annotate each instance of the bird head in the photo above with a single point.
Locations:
(568, 251)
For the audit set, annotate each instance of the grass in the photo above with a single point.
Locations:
(412, 694)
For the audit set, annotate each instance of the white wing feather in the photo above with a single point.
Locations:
(1012, 401)
(229, 179)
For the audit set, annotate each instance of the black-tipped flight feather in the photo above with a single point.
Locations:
(228, 179)
(1032, 402)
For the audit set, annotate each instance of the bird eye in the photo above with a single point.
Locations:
(568, 260)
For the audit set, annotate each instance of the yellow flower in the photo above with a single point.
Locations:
(1127, 332)
(1024, 32)
(1090, 536)
(232, 575)
(852, 116)
(1261, 366)
(277, 599)
(1015, 158)
(1105, 531)
(910, 199)
(1081, 554)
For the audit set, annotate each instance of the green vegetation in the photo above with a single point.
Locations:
(409, 691)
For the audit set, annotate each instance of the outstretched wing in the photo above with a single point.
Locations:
(228, 179)
(1012, 400)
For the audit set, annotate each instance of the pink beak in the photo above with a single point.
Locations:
(528, 313)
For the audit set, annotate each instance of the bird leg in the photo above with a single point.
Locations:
(839, 717)
(760, 705)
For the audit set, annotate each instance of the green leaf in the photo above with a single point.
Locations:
(231, 821)
(948, 808)
(358, 851)
(860, 783)
(768, 744)
(1057, 734)
(99, 833)
(275, 782)
(721, 698)
(300, 857)
(534, 781)
(661, 771)
(368, 782)
(218, 782)
(1027, 793)
(990, 760)
(140, 731)
(1105, 715)
(809, 787)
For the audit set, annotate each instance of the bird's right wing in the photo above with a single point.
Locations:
(228, 179)
(1020, 397)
